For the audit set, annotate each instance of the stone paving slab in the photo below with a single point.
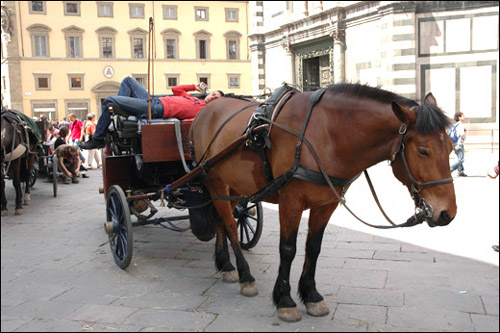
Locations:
(58, 273)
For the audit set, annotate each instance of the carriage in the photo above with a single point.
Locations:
(308, 161)
(139, 159)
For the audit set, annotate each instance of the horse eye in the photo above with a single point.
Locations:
(423, 152)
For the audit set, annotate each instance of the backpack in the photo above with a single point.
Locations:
(452, 132)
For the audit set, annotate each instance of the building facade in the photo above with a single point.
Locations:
(60, 57)
(449, 48)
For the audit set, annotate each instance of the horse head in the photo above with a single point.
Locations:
(421, 160)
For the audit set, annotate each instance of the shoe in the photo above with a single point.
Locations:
(84, 175)
(99, 166)
(82, 168)
(93, 144)
(462, 174)
(66, 180)
(74, 180)
(114, 108)
(495, 248)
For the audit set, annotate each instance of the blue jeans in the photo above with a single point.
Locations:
(133, 98)
(459, 164)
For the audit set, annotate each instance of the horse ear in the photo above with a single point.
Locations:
(430, 99)
(405, 115)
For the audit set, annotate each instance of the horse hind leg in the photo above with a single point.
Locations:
(313, 301)
(248, 286)
(222, 259)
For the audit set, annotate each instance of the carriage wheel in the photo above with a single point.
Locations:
(34, 176)
(250, 221)
(54, 174)
(119, 226)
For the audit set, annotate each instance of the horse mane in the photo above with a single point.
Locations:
(430, 118)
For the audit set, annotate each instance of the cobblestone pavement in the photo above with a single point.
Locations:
(58, 273)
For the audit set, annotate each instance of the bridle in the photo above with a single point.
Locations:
(415, 186)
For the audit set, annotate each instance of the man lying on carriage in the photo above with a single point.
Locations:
(132, 99)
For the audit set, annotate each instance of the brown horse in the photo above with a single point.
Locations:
(351, 128)
(17, 144)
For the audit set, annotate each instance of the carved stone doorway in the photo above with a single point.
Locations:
(314, 68)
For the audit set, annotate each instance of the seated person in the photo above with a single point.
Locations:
(132, 99)
(68, 162)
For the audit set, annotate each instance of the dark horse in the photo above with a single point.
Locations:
(351, 128)
(18, 142)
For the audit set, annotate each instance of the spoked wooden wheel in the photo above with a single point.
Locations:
(250, 221)
(119, 226)
(55, 175)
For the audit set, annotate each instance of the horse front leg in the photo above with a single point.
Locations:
(318, 219)
(16, 181)
(4, 198)
(290, 215)
(27, 191)
(248, 286)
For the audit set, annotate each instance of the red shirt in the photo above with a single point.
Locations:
(182, 105)
(76, 129)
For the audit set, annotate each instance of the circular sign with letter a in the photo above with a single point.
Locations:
(109, 72)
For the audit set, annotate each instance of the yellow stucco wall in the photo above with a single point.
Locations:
(92, 67)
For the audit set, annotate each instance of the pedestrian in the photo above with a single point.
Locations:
(132, 99)
(62, 138)
(75, 128)
(89, 131)
(461, 133)
(68, 162)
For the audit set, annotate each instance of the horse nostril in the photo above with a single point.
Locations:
(444, 218)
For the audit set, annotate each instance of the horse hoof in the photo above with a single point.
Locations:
(290, 315)
(19, 212)
(26, 202)
(5, 212)
(317, 309)
(230, 277)
(249, 289)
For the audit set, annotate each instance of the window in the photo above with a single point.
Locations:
(73, 41)
(201, 13)
(42, 81)
(46, 107)
(75, 81)
(138, 43)
(79, 107)
(170, 12)
(171, 39)
(72, 8)
(107, 47)
(204, 77)
(40, 46)
(202, 48)
(37, 7)
(39, 40)
(74, 47)
(106, 42)
(233, 81)
(136, 10)
(171, 49)
(105, 9)
(231, 14)
(232, 49)
(233, 45)
(172, 80)
(202, 38)
(138, 46)
(141, 78)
